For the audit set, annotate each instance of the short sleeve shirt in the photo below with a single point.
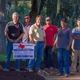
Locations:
(50, 31)
(14, 30)
(26, 31)
(38, 33)
(76, 32)
(63, 37)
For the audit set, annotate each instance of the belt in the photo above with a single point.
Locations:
(39, 41)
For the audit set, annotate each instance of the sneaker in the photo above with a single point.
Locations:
(46, 73)
(59, 74)
(5, 70)
(66, 75)
(46, 69)
(51, 73)
(17, 70)
(72, 73)
(38, 71)
(30, 70)
(51, 68)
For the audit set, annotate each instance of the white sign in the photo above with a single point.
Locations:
(23, 51)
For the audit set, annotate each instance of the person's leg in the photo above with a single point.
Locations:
(32, 61)
(39, 55)
(74, 61)
(79, 60)
(46, 58)
(17, 64)
(66, 55)
(26, 64)
(51, 57)
(8, 54)
(60, 61)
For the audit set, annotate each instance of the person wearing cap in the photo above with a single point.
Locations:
(50, 31)
(63, 42)
(27, 24)
(14, 33)
(37, 37)
(76, 47)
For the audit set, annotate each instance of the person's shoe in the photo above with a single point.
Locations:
(38, 71)
(47, 70)
(51, 68)
(72, 73)
(5, 70)
(66, 75)
(26, 69)
(59, 74)
(51, 71)
(30, 70)
(17, 69)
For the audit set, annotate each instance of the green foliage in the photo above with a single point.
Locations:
(3, 56)
(56, 9)
(23, 8)
(43, 14)
(65, 8)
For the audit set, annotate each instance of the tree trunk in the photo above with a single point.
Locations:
(15, 3)
(36, 8)
(2, 26)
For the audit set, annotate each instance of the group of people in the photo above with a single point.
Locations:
(43, 38)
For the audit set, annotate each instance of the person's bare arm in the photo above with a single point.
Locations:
(55, 42)
(19, 37)
(31, 38)
(6, 34)
(76, 37)
(70, 42)
(44, 42)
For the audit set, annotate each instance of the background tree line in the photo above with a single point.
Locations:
(56, 9)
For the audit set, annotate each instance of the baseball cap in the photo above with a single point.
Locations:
(48, 18)
(26, 16)
(64, 19)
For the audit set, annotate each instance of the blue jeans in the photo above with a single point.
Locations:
(63, 56)
(38, 54)
(48, 57)
(8, 55)
(26, 63)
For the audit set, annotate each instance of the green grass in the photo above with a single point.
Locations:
(3, 56)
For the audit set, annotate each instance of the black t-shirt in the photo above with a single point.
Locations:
(14, 30)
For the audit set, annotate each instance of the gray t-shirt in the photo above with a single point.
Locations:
(76, 32)
(63, 37)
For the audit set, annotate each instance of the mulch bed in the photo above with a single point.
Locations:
(21, 75)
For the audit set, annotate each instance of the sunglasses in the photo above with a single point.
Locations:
(48, 20)
(26, 18)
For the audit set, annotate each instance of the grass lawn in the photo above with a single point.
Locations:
(3, 56)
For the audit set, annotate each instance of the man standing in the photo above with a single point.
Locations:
(37, 36)
(76, 47)
(50, 31)
(14, 33)
(25, 38)
(63, 45)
